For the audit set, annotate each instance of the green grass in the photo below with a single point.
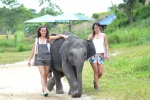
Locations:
(11, 57)
(126, 75)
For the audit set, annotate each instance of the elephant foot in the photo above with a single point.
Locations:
(69, 93)
(59, 91)
(51, 83)
(75, 95)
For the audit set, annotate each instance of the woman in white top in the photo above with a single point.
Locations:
(42, 50)
(101, 46)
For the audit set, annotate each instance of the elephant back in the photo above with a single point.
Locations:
(55, 56)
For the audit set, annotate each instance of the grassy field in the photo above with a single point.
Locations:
(11, 57)
(126, 75)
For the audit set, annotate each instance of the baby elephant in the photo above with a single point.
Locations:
(68, 57)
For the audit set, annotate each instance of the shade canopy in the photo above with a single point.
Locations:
(70, 17)
(45, 18)
(65, 17)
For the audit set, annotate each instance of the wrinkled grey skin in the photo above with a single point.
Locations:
(68, 57)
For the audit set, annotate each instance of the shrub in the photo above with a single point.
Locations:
(7, 43)
(142, 13)
(21, 47)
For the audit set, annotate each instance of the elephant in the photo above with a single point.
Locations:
(67, 59)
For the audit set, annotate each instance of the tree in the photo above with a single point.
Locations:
(128, 7)
(53, 8)
(10, 3)
(142, 1)
(12, 19)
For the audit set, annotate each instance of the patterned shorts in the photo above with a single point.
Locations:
(96, 59)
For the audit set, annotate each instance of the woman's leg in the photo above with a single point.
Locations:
(95, 69)
(100, 70)
(44, 73)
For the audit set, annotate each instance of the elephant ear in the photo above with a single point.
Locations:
(63, 51)
(90, 48)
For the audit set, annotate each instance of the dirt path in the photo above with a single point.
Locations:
(20, 82)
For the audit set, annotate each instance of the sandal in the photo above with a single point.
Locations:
(94, 84)
(44, 94)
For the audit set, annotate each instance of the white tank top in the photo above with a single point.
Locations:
(48, 44)
(99, 44)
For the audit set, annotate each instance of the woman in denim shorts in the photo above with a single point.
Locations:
(101, 46)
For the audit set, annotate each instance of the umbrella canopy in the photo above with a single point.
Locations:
(67, 17)
(71, 16)
(45, 18)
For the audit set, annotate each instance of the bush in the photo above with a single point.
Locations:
(142, 13)
(7, 43)
(21, 48)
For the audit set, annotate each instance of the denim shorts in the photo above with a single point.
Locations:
(44, 60)
(96, 59)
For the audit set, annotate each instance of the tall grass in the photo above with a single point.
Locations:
(17, 43)
(7, 43)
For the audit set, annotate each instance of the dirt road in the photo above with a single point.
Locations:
(20, 82)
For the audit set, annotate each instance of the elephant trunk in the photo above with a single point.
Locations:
(79, 69)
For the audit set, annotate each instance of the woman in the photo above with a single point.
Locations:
(42, 50)
(101, 46)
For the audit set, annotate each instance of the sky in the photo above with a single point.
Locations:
(87, 7)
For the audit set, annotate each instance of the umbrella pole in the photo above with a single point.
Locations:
(85, 27)
(69, 26)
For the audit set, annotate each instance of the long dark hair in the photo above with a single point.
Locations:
(39, 34)
(97, 24)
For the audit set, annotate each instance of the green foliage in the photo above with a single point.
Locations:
(142, 12)
(19, 36)
(121, 21)
(21, 47)
(7, 43)
(17, 43)
(95, 16)
(13, 19)
(124, 36)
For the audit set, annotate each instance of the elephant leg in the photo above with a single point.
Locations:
(59, 87)
(70, 75)
(69, 93)
(51, 83)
